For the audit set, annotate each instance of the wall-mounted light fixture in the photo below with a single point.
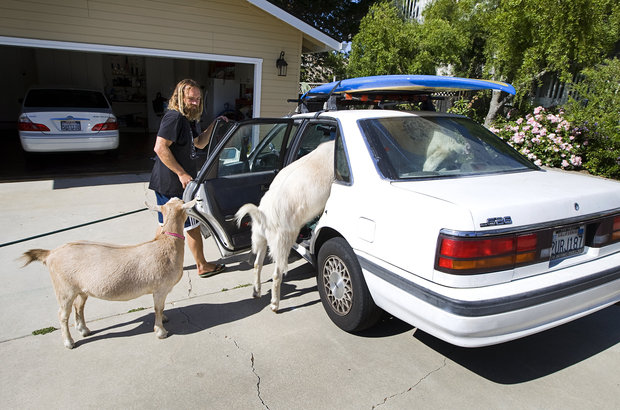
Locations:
(282, 65)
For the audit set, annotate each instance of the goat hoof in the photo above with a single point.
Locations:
(84, 331)
(161, 333)
(274, 307)
(256, 294)
(69, 344)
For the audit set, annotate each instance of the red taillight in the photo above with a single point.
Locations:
(607, 232)
(615, 235)
(471, 256)
(109, 125)
(24, 124)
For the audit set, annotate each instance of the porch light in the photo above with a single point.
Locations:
(282, 65)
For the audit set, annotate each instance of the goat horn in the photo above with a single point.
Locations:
(190, 204)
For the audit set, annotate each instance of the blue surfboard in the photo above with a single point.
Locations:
(405, 83)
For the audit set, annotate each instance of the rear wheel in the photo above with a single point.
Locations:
(342, 288)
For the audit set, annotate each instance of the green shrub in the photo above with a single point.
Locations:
(595, 107)
(474, 107)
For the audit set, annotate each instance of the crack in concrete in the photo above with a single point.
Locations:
(412, 387)
(257, 382)
(253, 367)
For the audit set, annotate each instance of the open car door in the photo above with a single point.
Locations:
(237, 171)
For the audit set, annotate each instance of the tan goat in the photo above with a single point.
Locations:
(112, 272)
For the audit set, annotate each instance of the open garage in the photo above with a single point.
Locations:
(135, 54)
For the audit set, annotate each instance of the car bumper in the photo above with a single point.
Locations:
(36, 142)
(475, 317)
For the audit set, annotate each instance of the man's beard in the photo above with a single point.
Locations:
(192, 111)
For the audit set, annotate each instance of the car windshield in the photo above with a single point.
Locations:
(436, 146)
(59, 98)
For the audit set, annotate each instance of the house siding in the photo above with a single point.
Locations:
(229, 28)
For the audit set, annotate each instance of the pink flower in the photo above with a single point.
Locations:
(520, 121)
(552, 118)
(565, 163)
(538, 109)
(575, 160)
(518, 137)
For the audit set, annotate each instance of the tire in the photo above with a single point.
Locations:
(342, 288)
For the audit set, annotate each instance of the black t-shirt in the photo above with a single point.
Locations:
(177, 128)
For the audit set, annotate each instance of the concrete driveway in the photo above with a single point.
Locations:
(229, 351)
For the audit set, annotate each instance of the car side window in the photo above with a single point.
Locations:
(314, 135)
(254, 147)
(342, 170)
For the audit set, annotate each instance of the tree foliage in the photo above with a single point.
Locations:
(339, 19)
(388, 44)
(509, 40)
(527, 38)
(466, 18)
(596, 106)
(384, 44)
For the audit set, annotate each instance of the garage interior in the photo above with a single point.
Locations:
(137, 86)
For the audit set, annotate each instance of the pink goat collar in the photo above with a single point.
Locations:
(176, 235)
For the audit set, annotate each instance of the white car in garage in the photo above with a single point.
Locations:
(65, 119)
(431, 218)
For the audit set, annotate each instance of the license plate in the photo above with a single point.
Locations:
(70, 126)
(567, 242)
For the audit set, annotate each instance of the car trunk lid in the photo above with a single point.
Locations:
(522, 198)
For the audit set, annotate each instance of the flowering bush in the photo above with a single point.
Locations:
(546, 138)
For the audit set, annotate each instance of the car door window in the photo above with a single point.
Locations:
(254, 147)
(314, 135)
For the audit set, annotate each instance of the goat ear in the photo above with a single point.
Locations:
(153, 207)
(190, 204)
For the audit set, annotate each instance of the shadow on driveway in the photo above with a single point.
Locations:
(539, 355)
(202, 316)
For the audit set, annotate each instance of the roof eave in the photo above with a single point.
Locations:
(314, 40)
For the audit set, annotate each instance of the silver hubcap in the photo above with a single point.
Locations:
(337, 283)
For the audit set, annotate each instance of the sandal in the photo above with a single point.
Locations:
(219, 268)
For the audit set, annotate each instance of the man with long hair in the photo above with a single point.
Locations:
(175, 165)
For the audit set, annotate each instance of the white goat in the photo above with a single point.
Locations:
(297, 194)
(112, 272)
(441, 147)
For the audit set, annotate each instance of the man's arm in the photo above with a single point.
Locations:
(202, 140)
(162, 149)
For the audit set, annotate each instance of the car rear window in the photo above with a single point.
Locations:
(437, 146)
(52, 98)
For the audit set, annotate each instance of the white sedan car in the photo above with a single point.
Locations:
(62, 119)
(431, 218)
